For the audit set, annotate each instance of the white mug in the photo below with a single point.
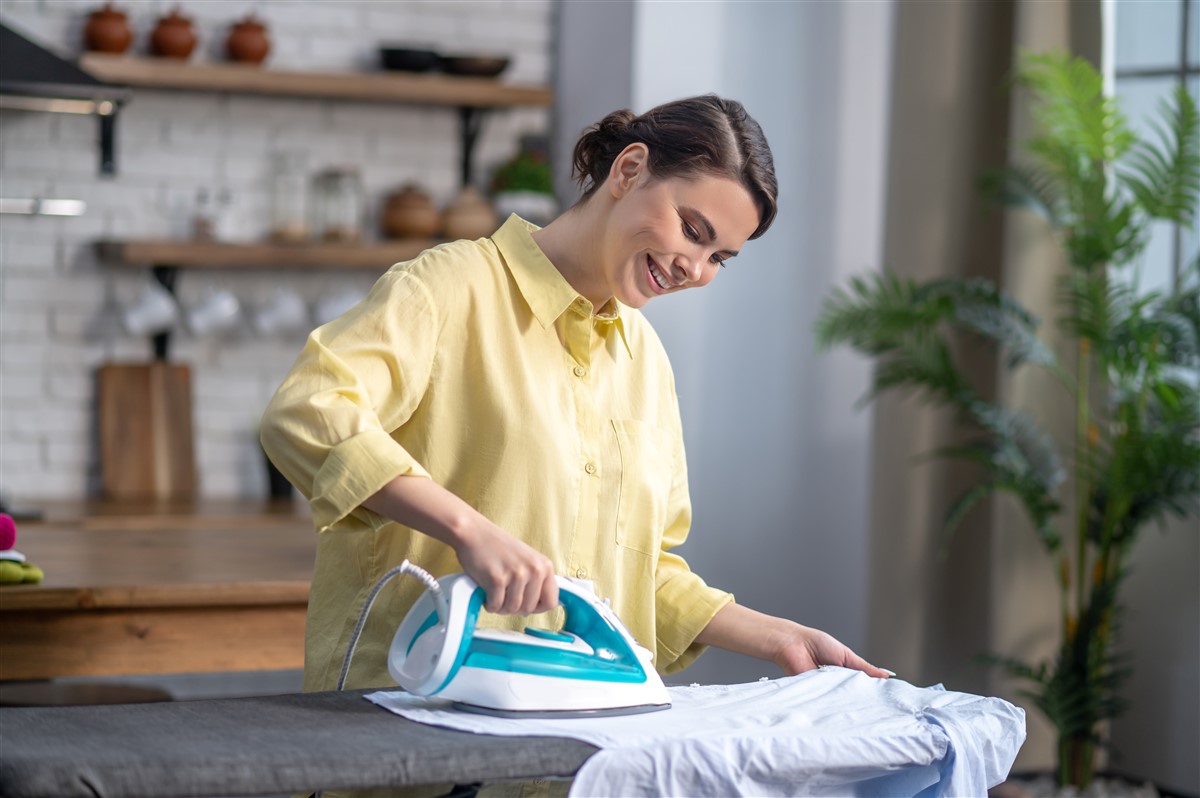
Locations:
(283, 314)
(217, 312)
(154, 312)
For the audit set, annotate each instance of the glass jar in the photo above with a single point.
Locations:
(289, 197)
(338, 205)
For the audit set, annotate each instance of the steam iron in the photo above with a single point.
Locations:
(592, 667)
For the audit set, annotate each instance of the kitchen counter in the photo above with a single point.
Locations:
(159, 588)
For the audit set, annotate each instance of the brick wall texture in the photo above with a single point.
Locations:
(60, 308)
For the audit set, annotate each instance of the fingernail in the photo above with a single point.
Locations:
(889, 673)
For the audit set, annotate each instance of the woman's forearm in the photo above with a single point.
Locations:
(424, 505)
(516, 578)
(745, 631)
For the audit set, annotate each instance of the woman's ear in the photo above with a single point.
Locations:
(627, 168)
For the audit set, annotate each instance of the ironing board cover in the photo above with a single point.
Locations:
(832, 731)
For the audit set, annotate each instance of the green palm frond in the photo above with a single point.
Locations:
(873, 314)
(1073, 110)
(1025, 187)
(1164, 174)
(1091, 307)
(979, 307)
(886, 314)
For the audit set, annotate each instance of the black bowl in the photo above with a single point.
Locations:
(406, 59)
(481, 66)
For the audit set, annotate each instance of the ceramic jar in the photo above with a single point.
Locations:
(107, 31)
(410, 213)
(173, 36)
(248, 42)
(469, 216)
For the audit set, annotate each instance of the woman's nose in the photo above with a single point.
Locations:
(687, 268)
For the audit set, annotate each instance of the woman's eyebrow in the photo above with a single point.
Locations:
(708, 228)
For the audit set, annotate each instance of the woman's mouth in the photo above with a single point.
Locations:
(658, 280)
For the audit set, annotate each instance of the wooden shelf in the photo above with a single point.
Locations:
(385, 87)
(221, 255)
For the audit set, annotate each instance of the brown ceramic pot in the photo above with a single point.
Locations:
(107, 31)
(469, 216)
(173, 36)
(248, 42)
(410, 213)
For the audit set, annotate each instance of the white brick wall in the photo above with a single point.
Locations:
(59, 307)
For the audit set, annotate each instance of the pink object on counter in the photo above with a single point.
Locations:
(8, 532)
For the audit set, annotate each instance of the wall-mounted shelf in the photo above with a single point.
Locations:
(224, 255)
(385, 87)
(471, 96)
(167, 257)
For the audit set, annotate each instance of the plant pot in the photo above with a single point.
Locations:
(248, 42)
(107, 31)
(532, 206)
(173, 37)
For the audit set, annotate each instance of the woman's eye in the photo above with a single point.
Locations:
(719, 260)
(690, 232)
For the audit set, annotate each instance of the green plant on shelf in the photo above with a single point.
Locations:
(1133, 377)
(528, 171)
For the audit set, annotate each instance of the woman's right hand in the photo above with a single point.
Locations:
(516, 578)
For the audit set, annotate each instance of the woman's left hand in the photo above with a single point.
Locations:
(791, 646)
(802, 648)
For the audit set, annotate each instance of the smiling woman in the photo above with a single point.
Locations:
(501, 407)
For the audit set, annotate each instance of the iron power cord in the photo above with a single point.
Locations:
(431, 584)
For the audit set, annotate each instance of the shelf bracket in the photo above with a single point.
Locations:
(166, 276)
(470, 124)
(108, 143)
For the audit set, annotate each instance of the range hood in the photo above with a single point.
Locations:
(34, 79)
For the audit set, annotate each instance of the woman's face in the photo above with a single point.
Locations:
(668, 235)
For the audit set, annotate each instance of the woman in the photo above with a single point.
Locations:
(501, 408)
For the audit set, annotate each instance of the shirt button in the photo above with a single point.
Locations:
(581, 573)
(580, 371)
(591, 469)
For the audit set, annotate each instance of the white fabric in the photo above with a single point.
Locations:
(831, 731)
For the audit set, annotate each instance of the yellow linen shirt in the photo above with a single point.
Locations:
(477, 364)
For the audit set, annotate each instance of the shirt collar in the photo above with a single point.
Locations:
(547, 292)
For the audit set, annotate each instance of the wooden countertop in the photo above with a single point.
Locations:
(141, 577)
(162, 555)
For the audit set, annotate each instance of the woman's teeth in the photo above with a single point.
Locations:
(657, 275)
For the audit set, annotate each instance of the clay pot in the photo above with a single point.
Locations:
(173, 36)
(107, 31)
(248, 42)
(469, 216)
(410, 213)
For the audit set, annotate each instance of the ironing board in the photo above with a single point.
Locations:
(254, 746)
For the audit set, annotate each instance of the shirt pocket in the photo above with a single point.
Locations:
(645, 484)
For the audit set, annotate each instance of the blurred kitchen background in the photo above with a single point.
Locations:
(880, 114)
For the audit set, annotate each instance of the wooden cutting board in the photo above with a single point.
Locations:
(144, 416)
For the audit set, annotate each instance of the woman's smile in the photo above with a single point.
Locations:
(657, 278)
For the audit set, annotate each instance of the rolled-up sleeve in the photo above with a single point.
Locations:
(329, 427)
(684, 603)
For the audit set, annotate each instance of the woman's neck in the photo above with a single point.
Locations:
(574, 243)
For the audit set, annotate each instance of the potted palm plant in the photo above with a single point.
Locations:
(1133, 375)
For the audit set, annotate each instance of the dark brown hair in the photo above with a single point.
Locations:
(704, 135)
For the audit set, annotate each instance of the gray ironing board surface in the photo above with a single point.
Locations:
(254, 746)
